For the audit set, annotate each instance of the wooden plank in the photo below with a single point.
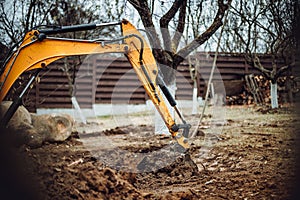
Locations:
(131, 101)
(103, 83)
(120, 95)
(124, 89)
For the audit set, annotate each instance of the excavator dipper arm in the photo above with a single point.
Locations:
(38, 50)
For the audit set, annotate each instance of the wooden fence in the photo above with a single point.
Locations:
(112, 80)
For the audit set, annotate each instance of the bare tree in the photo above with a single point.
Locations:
(264, 27)
(166, 48)
(167, 30)
(19, 16)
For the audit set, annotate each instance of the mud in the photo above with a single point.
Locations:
(255, 157)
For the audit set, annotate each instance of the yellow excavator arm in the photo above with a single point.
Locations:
(38, 50)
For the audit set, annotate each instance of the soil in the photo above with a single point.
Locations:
(253, 157)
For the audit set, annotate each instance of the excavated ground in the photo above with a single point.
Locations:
(255, 157)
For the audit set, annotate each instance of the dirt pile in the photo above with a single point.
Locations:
(68, 171)
(64, 172)
(254, 158)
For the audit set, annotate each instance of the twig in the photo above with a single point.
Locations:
(80, 160)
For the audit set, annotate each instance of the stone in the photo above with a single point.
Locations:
(34, 130)
(53, 127)
(20, 118)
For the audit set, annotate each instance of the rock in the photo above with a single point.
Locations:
(34, 130)
(20, 118)
(53, 127)
(33, 138)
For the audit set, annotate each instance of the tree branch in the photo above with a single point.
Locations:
(257, 64)
(164, 23)
(180, 26)
(200, 39)
(29, 12)
(144, 11)
(285, 68)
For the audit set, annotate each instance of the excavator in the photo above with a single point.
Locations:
(39, 48)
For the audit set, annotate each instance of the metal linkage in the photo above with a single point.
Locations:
(74, 28)
(17, 102)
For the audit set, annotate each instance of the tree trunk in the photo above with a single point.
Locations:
(78, 110)
(160, 127)
(289, 87)
(195, 102)
(274, 96)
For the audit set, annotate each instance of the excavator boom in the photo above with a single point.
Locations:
(38, 49)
